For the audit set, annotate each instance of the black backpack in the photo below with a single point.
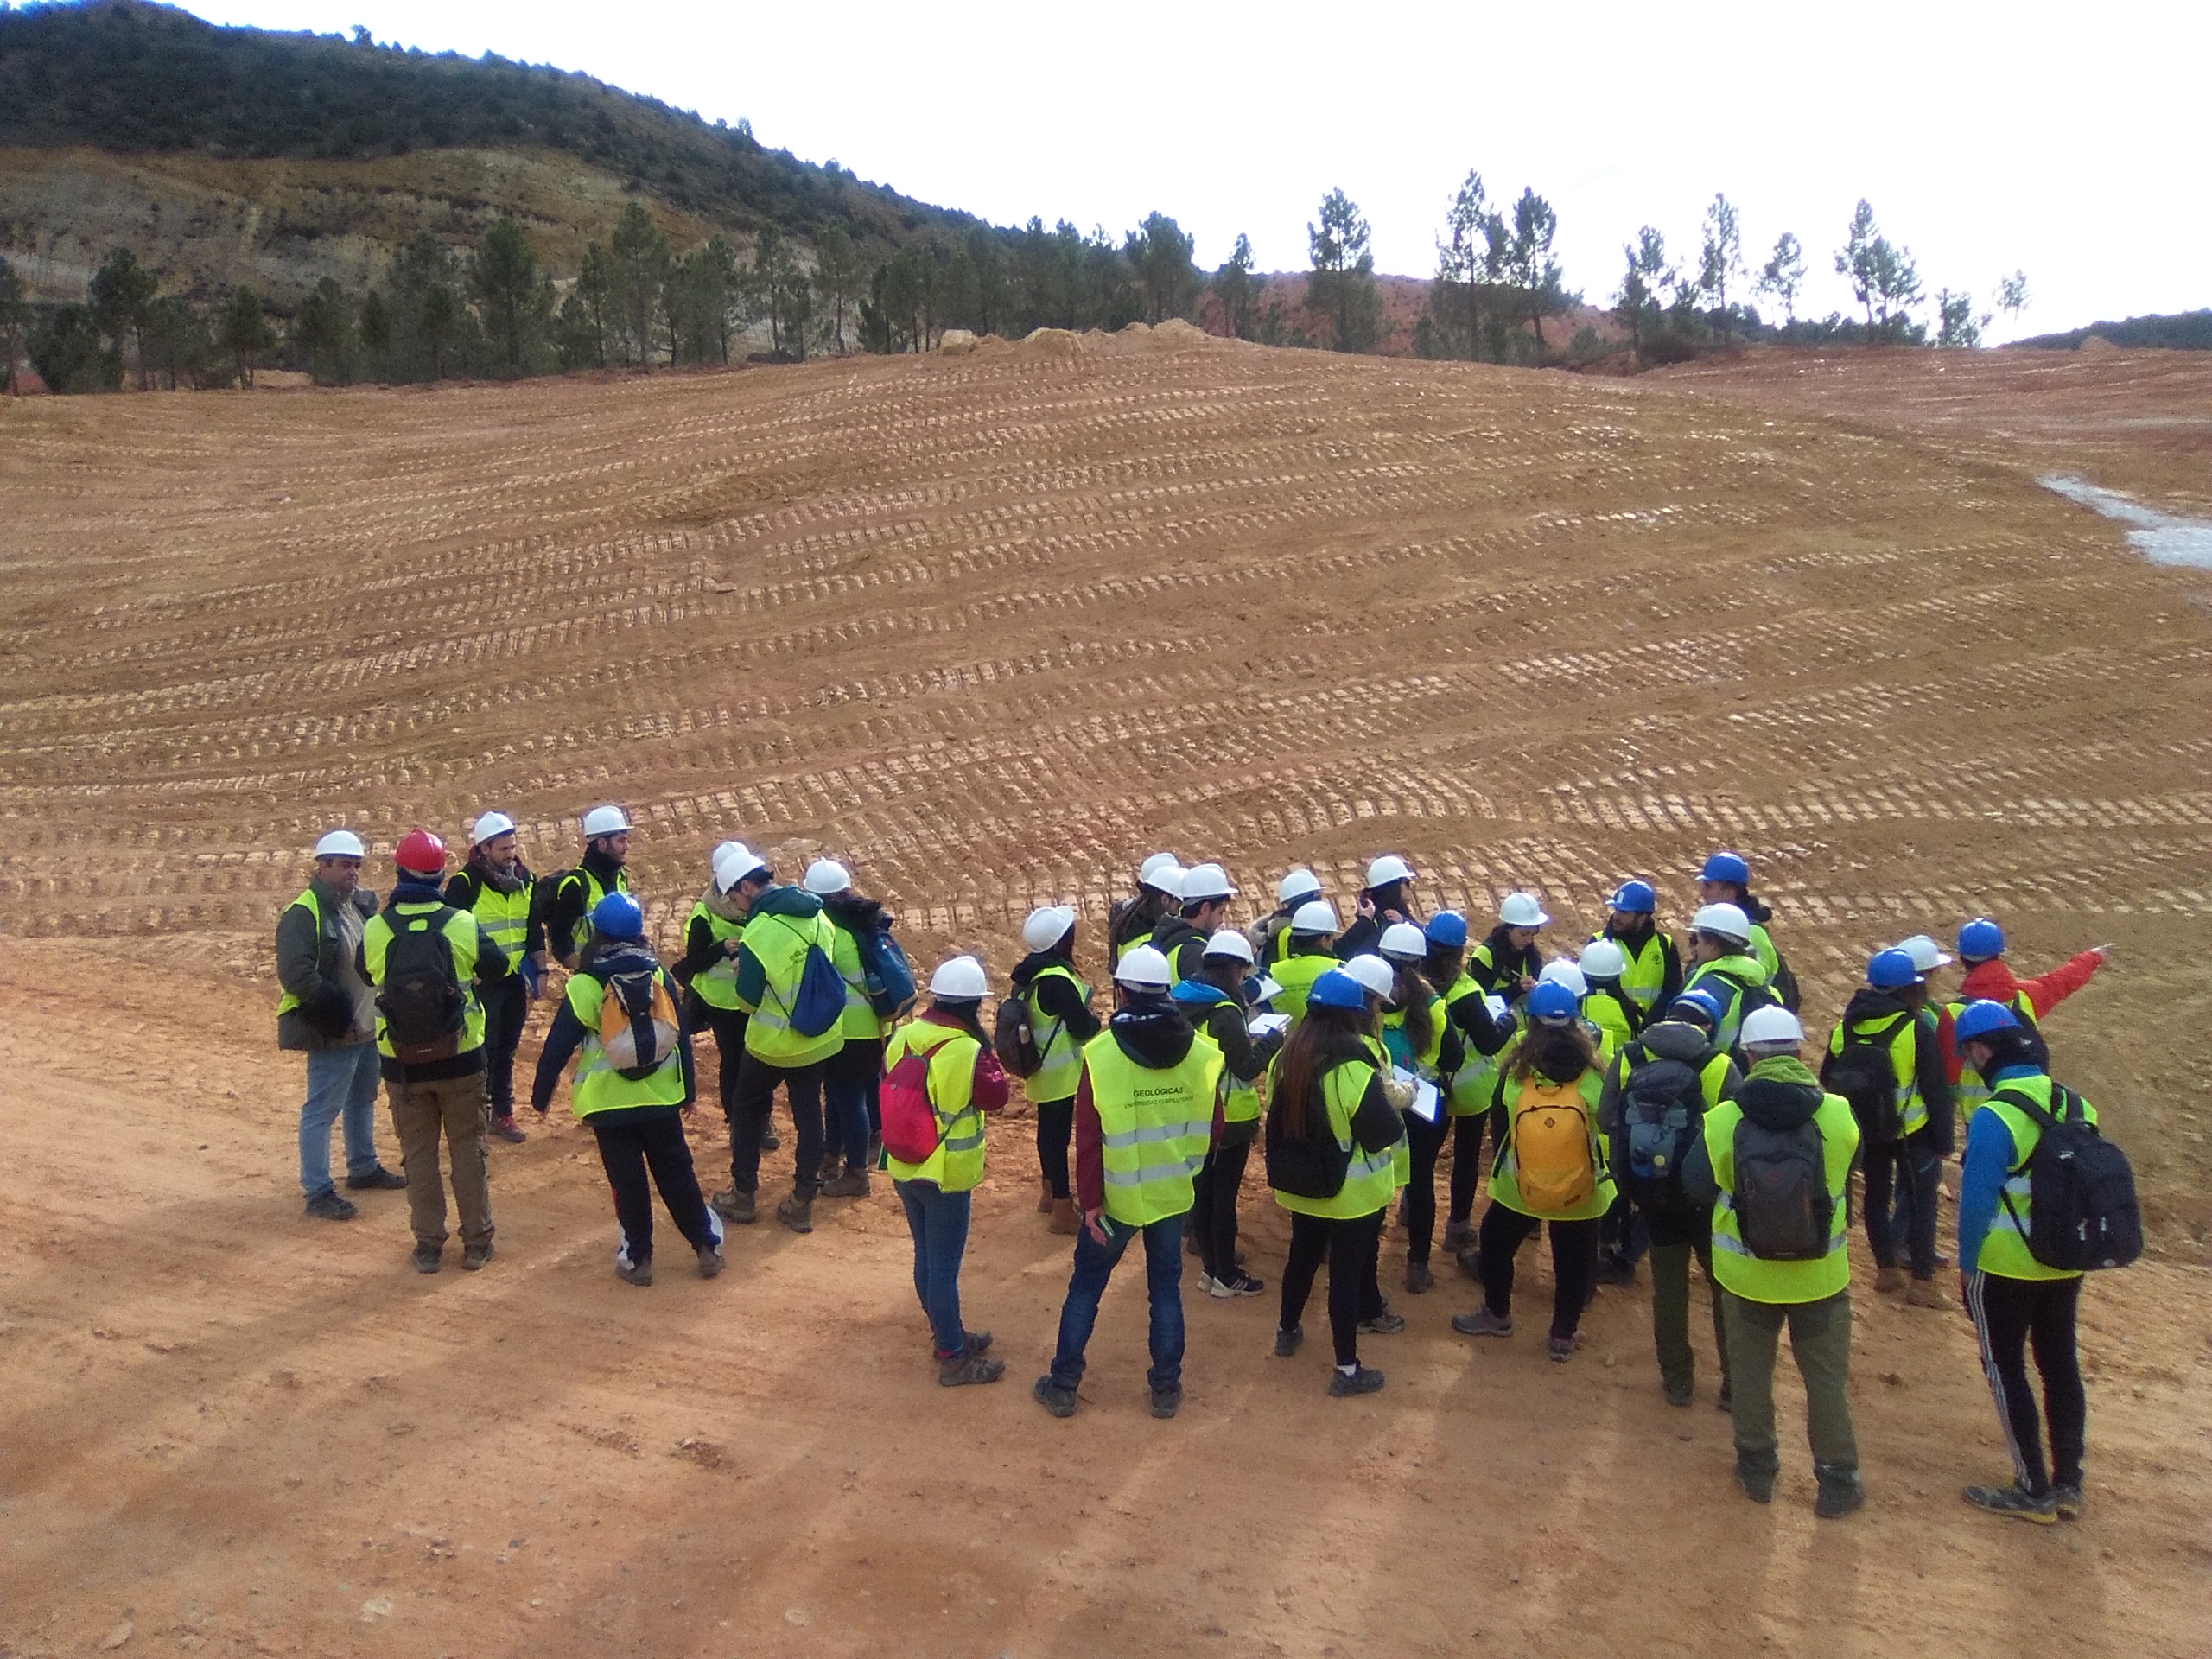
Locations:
(1310, 1168)
(1783, 983)
(420, 998)
(1860, 1072)
(1663, 1111)
(2082, 1210)
(1013, 1041)
(1783, 1209)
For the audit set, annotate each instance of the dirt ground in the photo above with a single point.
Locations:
(991, 628)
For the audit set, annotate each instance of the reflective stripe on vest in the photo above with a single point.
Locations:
(781, 952)
(460, 936)
(1735, 974)
(956, 1165)
(716, 985)
(1370, 1178)
(1062, 1071)
(313, 906)
(597, 1085)
(860, 1019)
(1905, 1065)
(1754, 1278)
(1155, 1125)
(505, 915)
(1970, 1092)
(1602, 1011)
(1296, 976)
(2004, 1250)
(1763, 953)
(1472, 1087)
(1645, 977)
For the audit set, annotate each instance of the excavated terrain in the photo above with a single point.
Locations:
(990, 628)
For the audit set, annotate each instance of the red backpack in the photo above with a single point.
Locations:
(911, 1129)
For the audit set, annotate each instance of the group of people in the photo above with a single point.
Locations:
(1640, 1096)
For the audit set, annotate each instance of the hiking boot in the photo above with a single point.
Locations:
(875, 1152)
(1481, 1323)
(1239, 1283)
(1471, 1263)
(506, 1129)
(733, 1206)
(2067, 1500)
(796, 1213)
(1419, 1279)
(1562, 1349)
(978, 1341)
(967, 1367)
(426, 1257)
(1384, 1323)
(473, 1257)
(1924, 1294)
(710, 1260)
(1459, 1235)
(1287, 1342)
(379, 1180)
(2016, 1501)
(1045, 1198)
(1056, 1400)
(1758, 1484)
(1839, 1497)
(1361, 1379)
(769, 1139)
(326, 1205)
(1889, 1280)
(852, 1184)
(1679, 1393)
(1166, 1403)
(1064, 1220)
(639, 1273)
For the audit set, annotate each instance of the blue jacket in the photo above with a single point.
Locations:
(1990, 1157)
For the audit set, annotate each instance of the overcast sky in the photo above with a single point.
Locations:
(2069, 140)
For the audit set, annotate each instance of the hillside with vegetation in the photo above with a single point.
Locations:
(2186, 331)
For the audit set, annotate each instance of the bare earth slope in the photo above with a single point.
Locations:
(991, 628)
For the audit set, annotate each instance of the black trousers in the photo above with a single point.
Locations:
(2012, 1317)
(630, 1146)
(756, 1097)
(1350, 1248)
(1213, 1209)
(506, 1005)
(1466, 1161)
(1055, 1132)
(1417, 1205)
(728, 1026)
(1574, 1264)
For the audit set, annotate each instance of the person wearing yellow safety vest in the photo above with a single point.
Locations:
(601, 870)
(1726, 878)
(1652, 1112)
(1309, 954)
(426, 960)
(2016, 1300)
(1720, 961)
(1775, 1163)
(1160, 890)
(1333, 1131)
(1507, 961)
(783, 924)
(1981, 952)
(495, 887)
(327, 1011)
(1060, 1023)
(1550, 1170)
(1270, 935)
(1181, 938)
(1652, 970)
(1217, 1002)
(941, 1077)
(850, 1082)
(1483, 1029)
(1386, 897)
(1144, 1120)
(1616, 1018)
(634, 1088)
(709, 968)
(1883, 1058)
(1420, 1037)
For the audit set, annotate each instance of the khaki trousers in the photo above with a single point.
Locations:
(459, 1109)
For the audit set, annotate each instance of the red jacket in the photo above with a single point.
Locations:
(1996, 982)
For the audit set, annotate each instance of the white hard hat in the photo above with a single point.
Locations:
(960, 979)
(1521, 910)
(722, 851)
(1203, 881)
(1561, 971)
(733, 861)
(1144, 969)
(605, 821)
(1374, 975)
(1405, 942)
(1300, 883)
(1927, 955)
(1046, 926)
(1388, 868)
(1603, 959)
(1314, 916)
(340, 843)
(489, 827)
(1728, 921)
(825, 876)
(1169, 880)
(1230, 942)
(1147, 871)
(1771, 1026)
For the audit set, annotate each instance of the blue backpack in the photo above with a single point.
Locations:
(885, 974)
(819, 1002)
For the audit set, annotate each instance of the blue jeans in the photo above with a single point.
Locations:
(1901, 1185)
(341, 1085)
(1163, 1276)
(938, 1221)
(848, 1082)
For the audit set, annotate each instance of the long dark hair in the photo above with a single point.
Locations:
(1560, 1052)
(1324, 1039)
(1416, 1005)
(964, 1013)
(1224, 973)
(1444, 964)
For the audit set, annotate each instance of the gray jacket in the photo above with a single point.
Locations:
(1671, 1039)
(308, 959)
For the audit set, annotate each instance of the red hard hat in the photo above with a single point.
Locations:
(421, 853)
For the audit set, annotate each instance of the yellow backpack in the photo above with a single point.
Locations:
(637, 1022)
(1551, 1147)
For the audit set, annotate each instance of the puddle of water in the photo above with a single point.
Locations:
(2162, 537)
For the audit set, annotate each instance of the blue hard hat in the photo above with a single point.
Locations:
(1708, 1005)
(1983, 1019)
(1636, 898)
(1447, 928)
(1892, 971)
(1981, 939)
(1337, 990)
(618, 916)
(1726, 866)
(1550, 1001)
